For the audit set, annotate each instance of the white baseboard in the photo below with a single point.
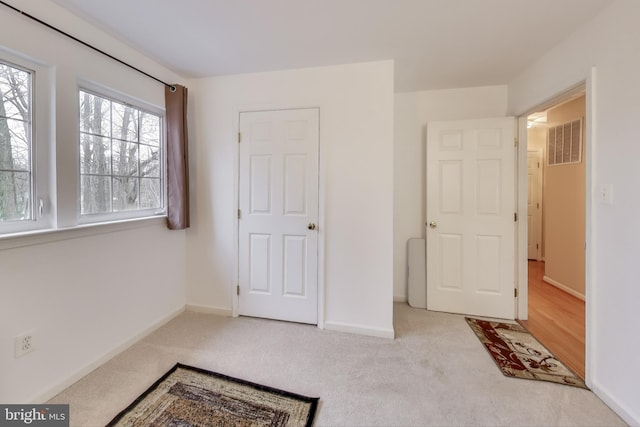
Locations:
(226, 312)
(83, 371)
(359, 330)
(564, 288)
(622, 411)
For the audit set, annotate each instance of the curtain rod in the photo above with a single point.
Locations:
(39, 21)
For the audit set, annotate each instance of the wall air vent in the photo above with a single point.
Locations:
(564, 144)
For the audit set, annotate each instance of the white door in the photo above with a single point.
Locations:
(278, 216)
(470, 217)
(534, 201)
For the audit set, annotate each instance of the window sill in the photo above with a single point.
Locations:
(39, 237)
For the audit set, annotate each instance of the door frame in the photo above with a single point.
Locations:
(322, 174)
(538, 219)
(588, 86)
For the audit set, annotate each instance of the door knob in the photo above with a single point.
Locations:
(433, 224)
(311, 226)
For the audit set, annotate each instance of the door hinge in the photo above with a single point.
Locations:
(537, 246)
(515, 292)
(515, 141)
(515, 217)
(239, 214)
(239, 137)
(238, 290)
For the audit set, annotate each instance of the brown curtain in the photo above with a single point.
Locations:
(177, 158)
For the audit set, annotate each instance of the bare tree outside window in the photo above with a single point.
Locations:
(15, 143)
(120, 157)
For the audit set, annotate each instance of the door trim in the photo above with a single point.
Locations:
(322, 174)
(588, 86)
(538, 216)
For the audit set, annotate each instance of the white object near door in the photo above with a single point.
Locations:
(416, 275)
(470, 217)
(278, 215)
(534, 204)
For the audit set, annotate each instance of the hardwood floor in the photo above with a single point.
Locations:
(556, 319)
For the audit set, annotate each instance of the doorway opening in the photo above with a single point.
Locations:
(556, 228)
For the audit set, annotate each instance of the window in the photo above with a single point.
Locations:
(121, 159)
(110, 165)
(16, 118)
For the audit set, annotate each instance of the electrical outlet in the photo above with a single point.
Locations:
(23, 344)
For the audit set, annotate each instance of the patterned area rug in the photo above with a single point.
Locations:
(518, 354)
(188, 396)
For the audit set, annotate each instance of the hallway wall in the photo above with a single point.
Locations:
(564, 212)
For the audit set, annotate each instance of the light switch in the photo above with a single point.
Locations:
(606, 194)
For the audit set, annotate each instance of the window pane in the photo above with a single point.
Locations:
(149, 161)
(149, 129)
(19, 158)
(95, 155)
(125, 158)
(125, 194)
(95, 114)
(95, 195)
(125, 122)
(113, 163)
(150, 193)
(15, 144)
(9, 101)
(15, 93)
(15, 191)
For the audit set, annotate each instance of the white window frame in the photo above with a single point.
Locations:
(118, 97)
(42, 193)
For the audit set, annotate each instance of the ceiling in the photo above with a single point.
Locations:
(436, 44)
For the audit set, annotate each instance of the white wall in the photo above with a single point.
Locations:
(356, 162)
(85, 294)
(412, 112)
(611, 43)
(83, 298)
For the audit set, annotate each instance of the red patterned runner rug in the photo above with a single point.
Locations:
(518, 354)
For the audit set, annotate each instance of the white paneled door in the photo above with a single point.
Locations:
(278, 215)
(470, 217)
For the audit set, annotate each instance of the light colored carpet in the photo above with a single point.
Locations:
(435, 372)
